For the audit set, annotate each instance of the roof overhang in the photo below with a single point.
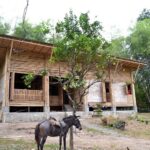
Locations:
(18, 44)
(130, 63)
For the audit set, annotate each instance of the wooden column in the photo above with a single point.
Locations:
(103, 92)
(112, 99)
(6, 83)
(7, 75)
(133, 94)
(46, 93)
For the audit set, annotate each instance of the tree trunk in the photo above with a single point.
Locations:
(71, 139)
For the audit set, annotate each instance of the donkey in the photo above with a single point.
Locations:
(51, 127)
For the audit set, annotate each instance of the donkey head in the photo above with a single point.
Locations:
(77, 123)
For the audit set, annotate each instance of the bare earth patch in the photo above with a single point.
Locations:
(93, 136)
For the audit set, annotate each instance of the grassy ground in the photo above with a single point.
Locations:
(10, 144)
(136, 136)
(137, 126)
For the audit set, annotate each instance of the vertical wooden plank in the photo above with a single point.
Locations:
(12, 75)
(60, 95)
(133, 93)
(103, 92)
(112, 99)
(7, 76)
(46, 90)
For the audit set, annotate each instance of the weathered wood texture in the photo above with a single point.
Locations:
(46, 90)
(24, 97)
(2, 82)
(25, 62)
(28, 95)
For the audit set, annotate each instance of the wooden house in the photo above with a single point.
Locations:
(19, 57)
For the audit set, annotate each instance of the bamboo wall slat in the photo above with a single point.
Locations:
(24, 62)
(55, 101)
(27, 95)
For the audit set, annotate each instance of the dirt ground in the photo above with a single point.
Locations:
(92, 137)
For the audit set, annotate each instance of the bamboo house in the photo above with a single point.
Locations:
(19, 57)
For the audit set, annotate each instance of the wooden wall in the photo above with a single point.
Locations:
(118, 80)
(2, 80)
(33, 62)
(3, 77)
(25, 62)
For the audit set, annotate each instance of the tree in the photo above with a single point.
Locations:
(41, 32)
(4, 26)
(118, 47)
(81, 47)
(139, 46)
(144, 15)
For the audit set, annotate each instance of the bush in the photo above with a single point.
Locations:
(113, 122)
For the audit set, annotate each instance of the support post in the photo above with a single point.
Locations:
(46, 94)
(133, 94)
(103, 92)
(5, 103)
(112, 100)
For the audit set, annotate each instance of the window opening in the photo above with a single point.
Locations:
(65, 97)
(107, 89)
(35, 85)
(54, 87)
(124, 108)
(129, 89)
(25, 109)
(56, 108)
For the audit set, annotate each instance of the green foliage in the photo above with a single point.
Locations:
(81, 46)
(40, 32)
(139, 42)
(118, 47)
(17, 144)
(28, 79)
(144, 15)
(98, 110)
(113, 122)
(4, 27)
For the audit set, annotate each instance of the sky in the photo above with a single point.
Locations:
(116, 16)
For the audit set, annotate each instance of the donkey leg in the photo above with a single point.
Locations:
(43, 142)
(64, 140)
(38, 143)
(60, 141)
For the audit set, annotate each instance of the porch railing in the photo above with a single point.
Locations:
(28, 95)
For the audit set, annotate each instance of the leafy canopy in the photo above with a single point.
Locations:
(139, 44)
(39, 32)
(81, 47)
(4, 26)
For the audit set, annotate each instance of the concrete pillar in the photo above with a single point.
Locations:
(5, 109)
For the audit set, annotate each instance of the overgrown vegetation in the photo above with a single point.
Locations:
(114, 122)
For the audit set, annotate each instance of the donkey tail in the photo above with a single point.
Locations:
(37, 130)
